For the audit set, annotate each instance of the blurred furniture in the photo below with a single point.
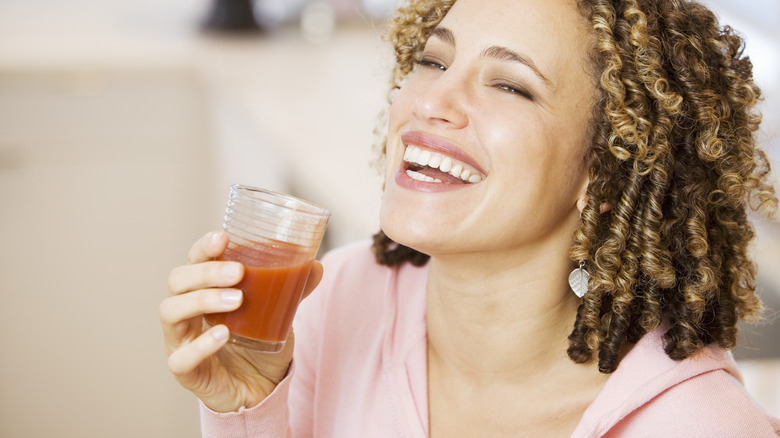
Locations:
(232, 15)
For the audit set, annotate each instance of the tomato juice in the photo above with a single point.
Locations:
(275, 275)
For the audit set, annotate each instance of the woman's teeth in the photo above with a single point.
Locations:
(420, 177)
(435, 160)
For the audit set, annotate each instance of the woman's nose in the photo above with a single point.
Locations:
(443, 101)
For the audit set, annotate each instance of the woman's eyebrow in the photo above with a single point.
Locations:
(504, 54)
(444, 34)
(495, 52)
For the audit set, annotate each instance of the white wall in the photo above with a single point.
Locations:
(121, 127)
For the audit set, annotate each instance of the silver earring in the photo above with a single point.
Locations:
(578, 280)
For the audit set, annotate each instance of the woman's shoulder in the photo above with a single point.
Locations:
(352, 266)
(359, 292)
(711, 404)
(701, 396)
(358, 255)
(353, 282)
(349, 296)
(355, 265)
(652, 395)
(363, 302)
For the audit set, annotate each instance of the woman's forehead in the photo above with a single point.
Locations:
(552, 33)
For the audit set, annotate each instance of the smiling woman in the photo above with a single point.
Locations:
(525, 140)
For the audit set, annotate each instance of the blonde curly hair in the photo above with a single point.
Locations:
(673, 152)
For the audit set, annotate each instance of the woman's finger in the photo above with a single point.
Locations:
(185, 359)
(208, 247)
(203, 276)
(175, 310)
(178, 308)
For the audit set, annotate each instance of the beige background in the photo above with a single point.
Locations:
(121, 126)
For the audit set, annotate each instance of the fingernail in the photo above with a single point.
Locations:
(214, 238)
(231, 296)
(231, 270)
(220, 332)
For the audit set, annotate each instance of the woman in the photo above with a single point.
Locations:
(515, 125)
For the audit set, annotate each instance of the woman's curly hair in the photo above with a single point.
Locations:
(673, 152)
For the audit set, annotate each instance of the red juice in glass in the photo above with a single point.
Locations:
(274, 280)
(276, 238)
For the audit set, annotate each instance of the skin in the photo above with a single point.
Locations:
(499, 306)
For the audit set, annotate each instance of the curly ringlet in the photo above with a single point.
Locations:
(673, 152)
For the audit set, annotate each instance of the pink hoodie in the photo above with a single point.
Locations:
(360, 371)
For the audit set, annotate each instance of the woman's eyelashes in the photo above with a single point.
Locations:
(430, 63)
(515, 89)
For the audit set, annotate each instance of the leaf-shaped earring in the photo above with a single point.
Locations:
(578, 280)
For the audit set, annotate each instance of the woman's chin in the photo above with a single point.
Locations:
(425, 227)
(417, 238)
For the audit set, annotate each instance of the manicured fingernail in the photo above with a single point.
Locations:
(220, 332)
(231, 270)
(214, 238)
(231, 296)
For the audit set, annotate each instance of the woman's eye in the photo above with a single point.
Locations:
(515, 90)
(430, 64)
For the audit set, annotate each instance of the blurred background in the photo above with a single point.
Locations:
(122, 124)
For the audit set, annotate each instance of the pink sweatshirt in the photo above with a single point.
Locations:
(360, 371)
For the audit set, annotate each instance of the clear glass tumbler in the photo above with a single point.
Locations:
(276, 237)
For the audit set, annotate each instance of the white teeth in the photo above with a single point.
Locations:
(420, 177)
(423, 157)
(435, 161)
(456, 170)
(411, 155)
(446, 164)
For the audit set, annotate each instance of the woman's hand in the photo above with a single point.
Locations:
(224, 377)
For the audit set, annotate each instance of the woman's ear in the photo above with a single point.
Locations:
(582, 201)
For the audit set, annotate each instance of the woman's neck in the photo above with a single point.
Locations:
(499, 317)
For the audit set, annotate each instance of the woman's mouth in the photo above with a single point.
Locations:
(434, 167)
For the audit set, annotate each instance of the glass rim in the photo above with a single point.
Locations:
(252, 229)
(313, 210)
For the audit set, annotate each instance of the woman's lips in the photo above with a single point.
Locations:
(435, 167)
(428, 158)
(432, 164)
(442, 147)
(421, 182)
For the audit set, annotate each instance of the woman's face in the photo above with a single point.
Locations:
(503, 93)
